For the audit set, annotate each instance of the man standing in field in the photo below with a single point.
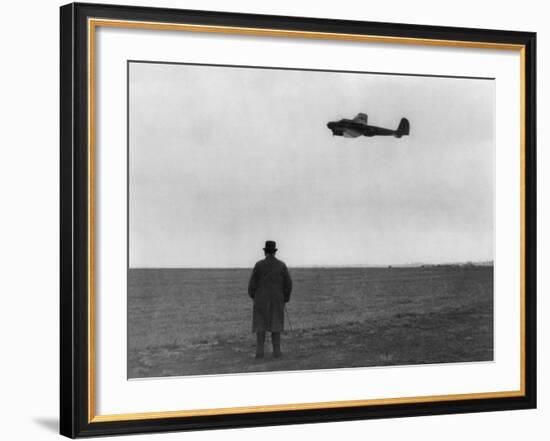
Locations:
(269, 287)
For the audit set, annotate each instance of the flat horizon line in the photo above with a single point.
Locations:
(396, 265)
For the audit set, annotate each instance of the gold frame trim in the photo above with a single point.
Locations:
(92, 25)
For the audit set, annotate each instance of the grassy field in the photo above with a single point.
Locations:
(198, 321)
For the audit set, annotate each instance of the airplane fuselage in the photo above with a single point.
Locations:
(353, 129)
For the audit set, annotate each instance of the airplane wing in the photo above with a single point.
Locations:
(361, 117)
(348, 133)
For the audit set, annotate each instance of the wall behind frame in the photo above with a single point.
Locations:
(29, 222)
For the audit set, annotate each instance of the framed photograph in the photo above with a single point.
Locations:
(273, 220)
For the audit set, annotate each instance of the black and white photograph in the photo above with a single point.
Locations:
(295, 219)
(275, 221)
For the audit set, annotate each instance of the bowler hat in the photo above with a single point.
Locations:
(270, 246)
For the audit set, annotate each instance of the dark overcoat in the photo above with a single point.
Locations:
(270, 287)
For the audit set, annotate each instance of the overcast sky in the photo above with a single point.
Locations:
(224, 158)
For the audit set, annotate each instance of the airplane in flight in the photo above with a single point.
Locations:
(352, 128)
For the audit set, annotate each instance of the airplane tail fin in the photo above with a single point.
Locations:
(403, 128)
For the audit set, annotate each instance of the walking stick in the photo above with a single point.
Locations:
(288, 318)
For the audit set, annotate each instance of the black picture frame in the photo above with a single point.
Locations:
(76, 418)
